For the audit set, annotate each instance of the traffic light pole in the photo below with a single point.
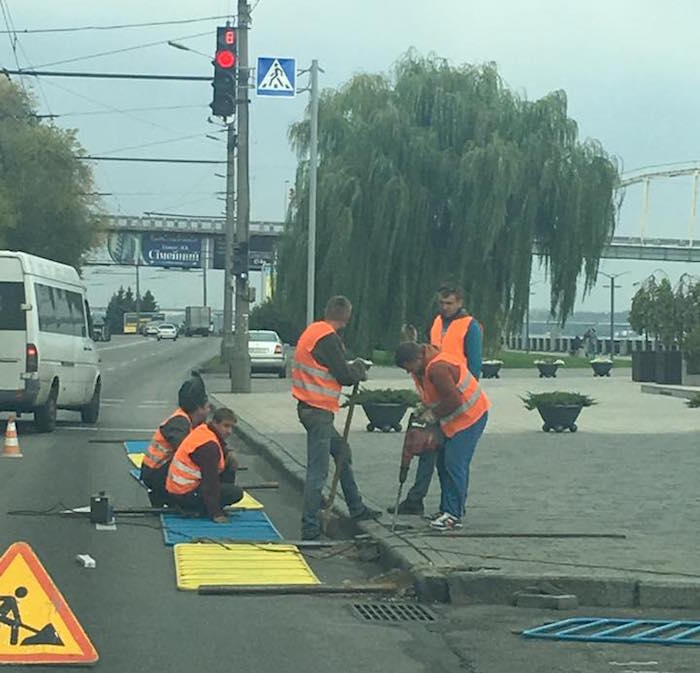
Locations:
(313, 169)
(227, 342)
(239, 368)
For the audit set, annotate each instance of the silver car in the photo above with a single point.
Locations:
(267, 352)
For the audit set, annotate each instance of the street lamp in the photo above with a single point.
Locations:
(611, 277)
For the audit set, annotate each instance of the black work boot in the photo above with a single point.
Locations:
(408, 507)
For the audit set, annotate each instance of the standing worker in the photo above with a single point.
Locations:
(201, 477)
(319, 372)
(192, 410)
(456, 399)
(456, 332)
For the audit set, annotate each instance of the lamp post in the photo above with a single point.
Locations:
(611, 277)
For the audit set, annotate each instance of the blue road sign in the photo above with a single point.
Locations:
(276, 77)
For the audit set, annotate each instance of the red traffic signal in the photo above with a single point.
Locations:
(225, 59)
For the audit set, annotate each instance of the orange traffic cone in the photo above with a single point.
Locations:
(11, 448)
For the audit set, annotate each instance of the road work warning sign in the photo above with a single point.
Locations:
(36, 624)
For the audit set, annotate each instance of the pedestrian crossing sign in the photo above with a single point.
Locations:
(276, 77)
(36, 624)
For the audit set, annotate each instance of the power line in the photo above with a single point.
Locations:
(156, 142)
(13, 39)
(73, 29)
(107, 75)
(158, 108)
(119, 51)
(161, 160)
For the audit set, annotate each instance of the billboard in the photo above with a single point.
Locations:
(173, 250)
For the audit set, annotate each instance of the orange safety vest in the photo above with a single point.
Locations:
(474, 402)
(159, 451)
(313, 382)
(184, 475)
(452, 340)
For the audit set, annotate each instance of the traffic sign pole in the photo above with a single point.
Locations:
(313, 167)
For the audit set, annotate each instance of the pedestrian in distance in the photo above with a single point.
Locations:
(456, 332)
(202, 474)
(193, 408)
(319, 372)
(454, 395)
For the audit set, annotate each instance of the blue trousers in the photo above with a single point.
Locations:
(453, 462)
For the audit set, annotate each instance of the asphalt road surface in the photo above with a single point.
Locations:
(138, 620)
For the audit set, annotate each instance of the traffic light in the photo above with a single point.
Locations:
(240, 260)
(225, 61)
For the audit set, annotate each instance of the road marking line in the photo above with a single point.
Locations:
(114, 348)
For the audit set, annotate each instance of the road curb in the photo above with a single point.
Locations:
(483, 586)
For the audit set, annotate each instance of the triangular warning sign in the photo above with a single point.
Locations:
(275, 79)
(36, 624)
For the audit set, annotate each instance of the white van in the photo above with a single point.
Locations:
(47, 358)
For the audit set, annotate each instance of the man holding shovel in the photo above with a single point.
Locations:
(319, 372)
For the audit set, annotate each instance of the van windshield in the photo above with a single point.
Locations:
(12, 316)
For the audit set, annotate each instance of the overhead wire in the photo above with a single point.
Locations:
(13, 40)
(15, 43)
(156, 108)
(155, 143)
(122, 50)
(74, 29)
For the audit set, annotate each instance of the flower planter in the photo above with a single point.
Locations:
(383, 416)
(490, 370)
(602, 368)
(669, 367)
(559, 417)
(643, 366)
(548, 370)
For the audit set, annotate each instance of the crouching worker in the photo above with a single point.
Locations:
(201, 477)
(192, 410)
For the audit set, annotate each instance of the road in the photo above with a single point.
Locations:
(139, 621)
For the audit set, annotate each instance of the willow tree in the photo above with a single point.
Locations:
(437, 172)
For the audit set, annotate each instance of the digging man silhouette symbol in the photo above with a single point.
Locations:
(10, 616)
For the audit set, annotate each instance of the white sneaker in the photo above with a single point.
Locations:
(446, 522)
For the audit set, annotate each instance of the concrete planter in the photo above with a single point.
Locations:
(559, 417)
(601, 368)
(490, 370)
(383, 416)
(547, 370)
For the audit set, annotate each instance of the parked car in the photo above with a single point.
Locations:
(167, 330)
(151, 329)
(267, 352)
(48, 360)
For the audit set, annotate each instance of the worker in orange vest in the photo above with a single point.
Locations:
(455, 397)
(192, 410)
(456, 332)
(318, 374)
(201, 477)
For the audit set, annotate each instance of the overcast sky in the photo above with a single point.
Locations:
(631, 71)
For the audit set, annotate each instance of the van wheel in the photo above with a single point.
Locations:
(45, 415)
(91, 411)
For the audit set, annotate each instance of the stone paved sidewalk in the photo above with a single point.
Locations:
(632, 469)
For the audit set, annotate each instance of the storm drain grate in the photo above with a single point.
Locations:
(392, 612)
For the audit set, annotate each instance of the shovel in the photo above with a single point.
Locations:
(326, 512)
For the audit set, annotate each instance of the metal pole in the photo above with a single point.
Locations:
(693, 210)
(138, 299)
(645, 209)
(240, 361)
(612, 318)
(313, 167)
(205, 246)
(227, 341)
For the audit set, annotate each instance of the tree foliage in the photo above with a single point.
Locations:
(122, 302)
(442, 171)
(46, 207)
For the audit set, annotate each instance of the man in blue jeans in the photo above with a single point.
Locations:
(457, 401)
(453, 331)
(319, 372)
